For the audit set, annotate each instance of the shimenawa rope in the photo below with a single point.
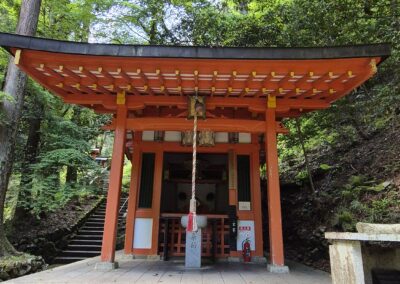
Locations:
(192, 222)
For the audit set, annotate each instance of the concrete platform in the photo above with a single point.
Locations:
(155, 271)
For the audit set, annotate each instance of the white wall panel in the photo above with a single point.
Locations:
(143, 233)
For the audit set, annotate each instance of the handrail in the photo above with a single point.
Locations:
(99, 176)
(126, 200)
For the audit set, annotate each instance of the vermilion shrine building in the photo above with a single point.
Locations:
(247, 92)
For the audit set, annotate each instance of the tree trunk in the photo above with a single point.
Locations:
(31, 148)
(301, 140)
(14, 86)
(72, 176)
(72, 172)
(30, 155)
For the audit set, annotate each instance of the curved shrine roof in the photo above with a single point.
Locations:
(156, 80)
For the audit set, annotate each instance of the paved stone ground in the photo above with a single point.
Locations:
(148, 271)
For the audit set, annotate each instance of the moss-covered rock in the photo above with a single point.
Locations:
(16, 266)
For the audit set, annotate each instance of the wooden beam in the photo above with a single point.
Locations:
(69, 73)
(253, 104)
(142, 76)
(88, 74)
(49, 70)
(106, 74)
(124, 75)
(181, 124)
(17, 56)
(350, 85)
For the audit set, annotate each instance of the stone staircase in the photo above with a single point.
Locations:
(87, 241)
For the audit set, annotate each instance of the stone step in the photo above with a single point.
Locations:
(90, 237)
(101, 219)
(92, 219)
(85, 242)
(97, 215)
(103, 213)
(92, 228)
(94, 224)
(91, 232)
(67, 259)
(80, 253)
(88, 240)
(85, 247)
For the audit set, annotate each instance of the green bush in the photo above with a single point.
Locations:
(302, 175)
(345, 220)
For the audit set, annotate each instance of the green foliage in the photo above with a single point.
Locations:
(4, 98)
(302, 175)
(126, 176)
(368, 201)
(9, 13)
(345, 220)
(12, 197)
(263, 172)
(356, 180)
(325, 167)
(358, 185)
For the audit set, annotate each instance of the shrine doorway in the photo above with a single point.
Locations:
(211, 194)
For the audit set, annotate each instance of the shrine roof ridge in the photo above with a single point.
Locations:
(8, 41)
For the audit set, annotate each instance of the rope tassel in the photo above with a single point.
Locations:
(192, 222)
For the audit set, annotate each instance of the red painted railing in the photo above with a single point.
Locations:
(215, 237)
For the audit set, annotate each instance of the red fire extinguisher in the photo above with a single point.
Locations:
(246, 250)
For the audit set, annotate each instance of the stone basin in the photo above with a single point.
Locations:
(201, 221)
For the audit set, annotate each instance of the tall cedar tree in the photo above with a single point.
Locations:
(14, 86)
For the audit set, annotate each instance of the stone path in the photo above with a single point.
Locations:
(147, 271)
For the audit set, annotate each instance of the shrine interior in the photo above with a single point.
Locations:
(211, 183)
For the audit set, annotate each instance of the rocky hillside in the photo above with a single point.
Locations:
(353, 182)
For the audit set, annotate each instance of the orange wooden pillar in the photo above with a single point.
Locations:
(133, 194)
(232, 187)
(114, 191)
(274, 200)
(157, 186)
(256, 196)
